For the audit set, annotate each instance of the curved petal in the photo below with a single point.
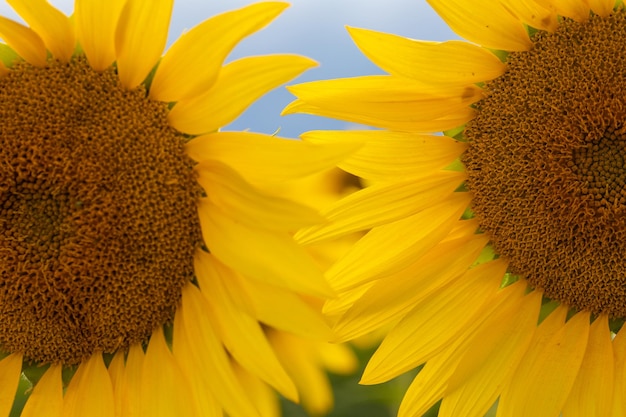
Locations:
(192, 63)
(452, 62)
(96, 23)
(25, 41)
(388, 155)
(227, 190)
(577, 10)
(241, 333)
(10, 370)
(592, 393)
(140, 38)
(240, 83)
(47, 396)
(533, 13)
(265, 158)
(51, 25)
(90, 392)
(485, 22)
(272, 257)
(165, 391)
(398, 104)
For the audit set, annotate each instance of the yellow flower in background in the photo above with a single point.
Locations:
(495, 251)
(144, 253)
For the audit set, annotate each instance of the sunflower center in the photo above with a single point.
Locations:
(98, 213)
(546, 164)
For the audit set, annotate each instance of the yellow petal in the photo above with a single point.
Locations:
(227, 190)
(592, 393)
(451, 63)
(387, 102)
(90, 392)
(434, 322)
(619, 359)
(240, 83)
(280, 262)
(388, 155)
(25, 41)
(392, 297)
(533, 13)
(7, 57)
(284, 310)
(140, 38)
(549, 370)
(10, 370)
(495, 351)
(96, 22)
(381, 204)
(193, 62)
(484, 22)
(165, 391)
(577, 10)
(602, 7)
(51, 25)
(298, 357)
(125, 376)
(261, 394)
(241, 333)
(408, 238)
(202, 353)
(47, 396)
(266, 158)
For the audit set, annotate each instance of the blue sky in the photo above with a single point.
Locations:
(315, 28)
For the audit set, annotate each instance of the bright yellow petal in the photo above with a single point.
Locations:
(381, 204)
(484, 22)
(51, 25)
(387, 102)
(165, 391)
(140, 38)
(262, 395)
(592, 393)
(450, 63)
(90, 392)
(202, 354)
(494, 352)
(298, 357)
(409, 238)
(241, 333)
(258, 157)
(192, 64)
(549, 370)
(430, 326)
(240, 83)
(533, 13)
(388, 155)
(577, 10)
(619, 359)
(10, 370)
(96, 22)
(227, 190)
(25, 41)
(47, 396)
(280, 262)
(392, 297)
(284, 310)
(602, 7)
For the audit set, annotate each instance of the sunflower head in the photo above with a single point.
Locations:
(494, 251)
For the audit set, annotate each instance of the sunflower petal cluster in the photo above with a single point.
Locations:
(484, 337)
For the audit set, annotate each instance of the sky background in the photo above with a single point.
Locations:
(314, 28)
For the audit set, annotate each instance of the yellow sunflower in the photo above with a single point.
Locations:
(496, 250)
(144, 252)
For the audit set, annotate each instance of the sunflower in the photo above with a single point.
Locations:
(144, 252)
(494, 251)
